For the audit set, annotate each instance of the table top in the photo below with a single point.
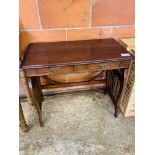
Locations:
(73, 52)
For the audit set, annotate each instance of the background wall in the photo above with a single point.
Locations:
(63, 20)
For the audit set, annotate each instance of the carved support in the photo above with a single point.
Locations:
(123, 86)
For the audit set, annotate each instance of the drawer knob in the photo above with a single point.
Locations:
(103, 64)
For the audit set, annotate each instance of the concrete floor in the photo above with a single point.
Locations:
(80, 123)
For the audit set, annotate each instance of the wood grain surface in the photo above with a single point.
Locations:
(73, 52)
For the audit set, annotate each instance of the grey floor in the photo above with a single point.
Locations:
(80, 123)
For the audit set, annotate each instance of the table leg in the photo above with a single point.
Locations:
(117, 103)
(26, 87)
(107, 81)
(36, 99)
(38, 89)
(122, 90)
(22, 121)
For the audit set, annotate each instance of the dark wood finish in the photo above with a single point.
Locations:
(60, 58)
(24, 80)
(122, 89)
(69, 87)
(74, 86)
(38, 89)
(36, 98)
(61, 70)
(39, 55)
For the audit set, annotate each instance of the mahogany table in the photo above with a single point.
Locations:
(57, 58)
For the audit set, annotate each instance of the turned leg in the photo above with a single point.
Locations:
(122, 90)
(22, 121)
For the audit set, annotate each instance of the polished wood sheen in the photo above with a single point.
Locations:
(50, 60)
(73, 52)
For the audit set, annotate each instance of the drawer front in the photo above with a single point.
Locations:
(108, 66)
(30, 72)
(78, 68)
(124, 64)
(55, 70)
(103, 66)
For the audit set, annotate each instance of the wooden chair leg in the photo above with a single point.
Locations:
(22, 121)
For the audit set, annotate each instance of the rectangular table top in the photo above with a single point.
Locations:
(73, 52)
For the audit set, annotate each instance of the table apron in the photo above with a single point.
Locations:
(80, 68)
